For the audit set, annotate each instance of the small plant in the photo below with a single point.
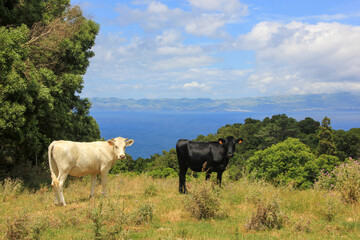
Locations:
(18, 228)
(97, 219)
(150, 190)
(144, 215)
(345, 179)
(10, 187)
(302, 226)
(203, 202)
(267, 216)
(329, 210)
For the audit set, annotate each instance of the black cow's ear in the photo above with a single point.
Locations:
(221, 141)
(240, 140)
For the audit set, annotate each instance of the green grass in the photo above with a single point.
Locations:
(139, 207)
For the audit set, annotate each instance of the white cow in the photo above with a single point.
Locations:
(83, 158)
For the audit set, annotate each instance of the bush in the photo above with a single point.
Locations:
(10, 187)
(145, 214)
(203, 202)
(283, 163)
(18, 228)
(345, 179)
(235, 172)
(163, 173)
(150, 191)
(267, 216)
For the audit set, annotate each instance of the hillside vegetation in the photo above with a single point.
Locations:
(279, 150)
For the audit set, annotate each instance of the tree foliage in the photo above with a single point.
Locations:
(326, 139)
(45, 48)
(279, 149)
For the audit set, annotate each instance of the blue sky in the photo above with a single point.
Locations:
(223, 48)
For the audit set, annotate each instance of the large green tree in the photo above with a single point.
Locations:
(326, 139)
(45, 46)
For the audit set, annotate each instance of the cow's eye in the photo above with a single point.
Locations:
(116, 147)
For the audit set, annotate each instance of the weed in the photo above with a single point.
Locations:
(145, 214)
(303, 226)
(18, 228)
(329, 209)
(345, 179)
(97, 218)
(204, 202)
(267, 216)
(150, 190)
(11, 187)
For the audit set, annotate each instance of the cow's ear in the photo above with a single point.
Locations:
(221, 141)
(129, 142)
(240, 140)
(111, 142)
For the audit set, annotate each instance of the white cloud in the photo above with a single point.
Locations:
(324, 57)
(182, 62)
(206, 25)
(227, 6)
(196, 86)
(208, 20)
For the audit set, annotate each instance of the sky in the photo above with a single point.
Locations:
(223, 48)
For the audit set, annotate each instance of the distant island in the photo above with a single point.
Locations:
(313, 102)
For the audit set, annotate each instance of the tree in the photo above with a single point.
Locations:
(284, 163)
(347, 143)
(326, 139)
(45, 46)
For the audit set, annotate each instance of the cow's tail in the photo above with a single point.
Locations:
(53, 166)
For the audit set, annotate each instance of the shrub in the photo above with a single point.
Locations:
(144, 214)
(11, 187)
(235, 172)
(150, 191)
(98, 221)
(283, 163)
(267, 216)
(345, 179)
(18, 228)
(163, 173)
(203, 202)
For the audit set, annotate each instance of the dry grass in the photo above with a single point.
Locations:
(139, 207)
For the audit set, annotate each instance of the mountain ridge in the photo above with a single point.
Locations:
(311, 102)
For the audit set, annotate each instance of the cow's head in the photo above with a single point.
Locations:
(119, 145)
(229, 144)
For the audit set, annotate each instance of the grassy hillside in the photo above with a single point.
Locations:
(139, 207)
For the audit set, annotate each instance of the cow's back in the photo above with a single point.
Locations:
(194, 154)
(81, 158)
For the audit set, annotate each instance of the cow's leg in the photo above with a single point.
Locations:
(104, 176)
(182, 178)
(56, 193)
(219, 178)
(208, 175)
(93, 183)
(62, 178)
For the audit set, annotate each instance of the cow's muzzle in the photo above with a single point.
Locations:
(122, 157)
(230, 155)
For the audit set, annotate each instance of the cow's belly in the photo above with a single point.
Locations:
(79, 172)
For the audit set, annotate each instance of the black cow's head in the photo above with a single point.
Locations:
(229, 144)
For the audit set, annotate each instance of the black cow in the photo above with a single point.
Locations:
(204, 157)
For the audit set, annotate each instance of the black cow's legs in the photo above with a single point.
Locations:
(208, 175)
(219, 178)
(182, 178)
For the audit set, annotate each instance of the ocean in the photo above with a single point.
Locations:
(154, 132)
